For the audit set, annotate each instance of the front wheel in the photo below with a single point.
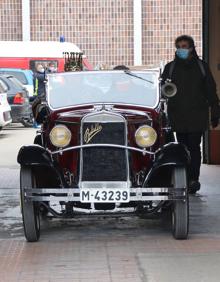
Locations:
(180, 212)
(29, 209)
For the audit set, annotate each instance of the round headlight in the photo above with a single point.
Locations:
(60, 136)
(145, 136)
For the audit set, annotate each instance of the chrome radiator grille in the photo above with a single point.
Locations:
(104, 164)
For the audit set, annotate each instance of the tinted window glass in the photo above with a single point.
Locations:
(44, 63)
(15, 81)
(19, 75)
(3, 86)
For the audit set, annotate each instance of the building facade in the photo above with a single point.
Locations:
(104, 29)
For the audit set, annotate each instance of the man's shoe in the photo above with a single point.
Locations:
(194, 186)
(35, 125)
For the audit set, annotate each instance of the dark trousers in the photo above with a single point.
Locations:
(192, 141)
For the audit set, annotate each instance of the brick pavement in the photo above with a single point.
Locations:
(96, 259)
(111, 250)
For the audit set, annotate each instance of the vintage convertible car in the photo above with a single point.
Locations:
(103, 146)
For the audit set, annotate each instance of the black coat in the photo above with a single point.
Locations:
(39, 83)
(188, 111)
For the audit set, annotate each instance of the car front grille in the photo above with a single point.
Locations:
(103, 163)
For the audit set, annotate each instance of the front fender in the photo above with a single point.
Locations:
(45, 171)
(34, 155)
(172, 153)
(168, 156)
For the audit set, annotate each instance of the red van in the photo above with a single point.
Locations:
(27, 54)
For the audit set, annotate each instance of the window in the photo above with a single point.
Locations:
(19, 75)
(3, 87)
(45, 63)
(15, 81)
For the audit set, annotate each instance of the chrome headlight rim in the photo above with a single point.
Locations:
(67, 131)
(153, 130)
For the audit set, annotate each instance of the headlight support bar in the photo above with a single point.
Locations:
(62, 150)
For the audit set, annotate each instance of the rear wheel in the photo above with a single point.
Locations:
(180, 212)
(29, 209)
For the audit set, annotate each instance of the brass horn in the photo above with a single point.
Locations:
(169, 89)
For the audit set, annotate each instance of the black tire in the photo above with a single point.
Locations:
(29, 210)
(180, 213)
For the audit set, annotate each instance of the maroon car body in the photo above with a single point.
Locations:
(103, 146)
(70, 159)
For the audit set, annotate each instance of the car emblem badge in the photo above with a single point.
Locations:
(91, 132)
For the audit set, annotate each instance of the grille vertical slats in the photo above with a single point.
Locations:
(104, 164)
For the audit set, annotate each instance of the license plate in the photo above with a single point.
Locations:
(94, 195)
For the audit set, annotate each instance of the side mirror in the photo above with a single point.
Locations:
(169, 89)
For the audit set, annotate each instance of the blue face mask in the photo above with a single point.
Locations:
(182, 53)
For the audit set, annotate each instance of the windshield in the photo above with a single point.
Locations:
(114, 87)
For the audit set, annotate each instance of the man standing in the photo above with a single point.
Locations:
(39, 87)
(51, 68)
(188, 110)
(39, 80)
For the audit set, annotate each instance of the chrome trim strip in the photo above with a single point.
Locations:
(136, 194)
(102, 117)
(77, 190)
(112, 109)
(60, 151)
(136, 112)
(105, 103)
(104, 184)
(77, 198)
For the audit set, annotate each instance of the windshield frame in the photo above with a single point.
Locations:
(156, 71)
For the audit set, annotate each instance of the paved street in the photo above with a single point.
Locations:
(105, 249)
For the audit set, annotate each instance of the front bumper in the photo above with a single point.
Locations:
(136, 194)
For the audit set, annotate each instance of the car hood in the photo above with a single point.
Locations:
(127, 112)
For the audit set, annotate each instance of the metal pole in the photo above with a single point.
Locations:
(26, 30)
(137, 22)
(205, 49)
